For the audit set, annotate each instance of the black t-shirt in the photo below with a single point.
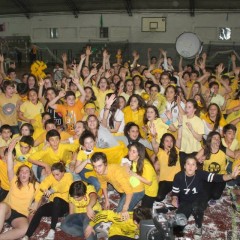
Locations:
(54, 115)
(188, 189)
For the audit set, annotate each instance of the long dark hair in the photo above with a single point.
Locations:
(142, 156)
(113, 110)
(127, 128)
(141, 102)
(207, 147)
(218, 117)
(145, 120)
(173, 155)
(175, 97)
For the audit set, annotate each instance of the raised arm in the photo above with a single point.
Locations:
(81, 90)
(88, 53)
(180, 64)
(52, 104)
(10, 160)
(1, 66)
(79, 67)
(65, 70)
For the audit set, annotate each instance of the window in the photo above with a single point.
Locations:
(103, 32)
(53, 33)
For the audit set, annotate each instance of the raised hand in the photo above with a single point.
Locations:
(64, 57)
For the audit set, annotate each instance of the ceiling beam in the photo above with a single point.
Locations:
(128, 4)
(192, 7)
(73, 7)
(20, 4)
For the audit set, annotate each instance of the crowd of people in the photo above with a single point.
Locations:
(154, 132)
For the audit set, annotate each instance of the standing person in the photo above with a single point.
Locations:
(134, 112)
(9, 102)
(55, 187)
(213, 156)
(119, 177)
(188, 190)
(15, 208)
(192, 132)
(31, 108)
(167, 162)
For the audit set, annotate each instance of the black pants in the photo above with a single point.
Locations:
(54, 209)
(164, 187)
(214, 190)
(147, 202)
(196, 208)
(118, 237)
(3, 194)
(184, 156)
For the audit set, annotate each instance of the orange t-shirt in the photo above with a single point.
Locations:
(70, 115)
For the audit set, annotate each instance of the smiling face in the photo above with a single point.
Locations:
(79, 128)
(103, 84)
(133, 132)
(70, 100)
(168, 143)
(133, 154)
(89, 143)
(33, 97)
(92, 123)
(129, 86)
(25, 131)
(215, 141)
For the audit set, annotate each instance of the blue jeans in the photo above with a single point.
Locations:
(91, 180)
(135, 199)
(75, 225)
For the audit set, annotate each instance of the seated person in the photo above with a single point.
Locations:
(189, 195)
(83, 165)
(54, 153)
(5, 137)
(83, 205)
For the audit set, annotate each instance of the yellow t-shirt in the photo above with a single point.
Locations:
(100, 95)
(61, 188)
(233, 147)
(119, 227)
(8, 111)
(150, 175)
(119, 177)
(81, 206)
(4, 183)
(189, 142)
(167, 173)
(82, 156)
(50, 157)
(4, 143)
(31, 110)
(21, 199)
(136, 117)
(217, 163)
(160, 127)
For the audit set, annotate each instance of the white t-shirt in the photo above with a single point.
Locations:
(119, 117)
(173, 108)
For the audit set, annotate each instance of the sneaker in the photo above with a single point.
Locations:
(212, 202)
(198, 231)
(25, 238)
(51, 235)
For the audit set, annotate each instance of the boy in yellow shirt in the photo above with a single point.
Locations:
(56, 152)
(119, 177)
(83, 205)
(5, 137)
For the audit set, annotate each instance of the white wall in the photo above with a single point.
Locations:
(121, 27)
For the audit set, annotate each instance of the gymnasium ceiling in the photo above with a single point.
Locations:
(30, 8)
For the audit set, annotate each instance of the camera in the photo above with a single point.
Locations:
(161, 226)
